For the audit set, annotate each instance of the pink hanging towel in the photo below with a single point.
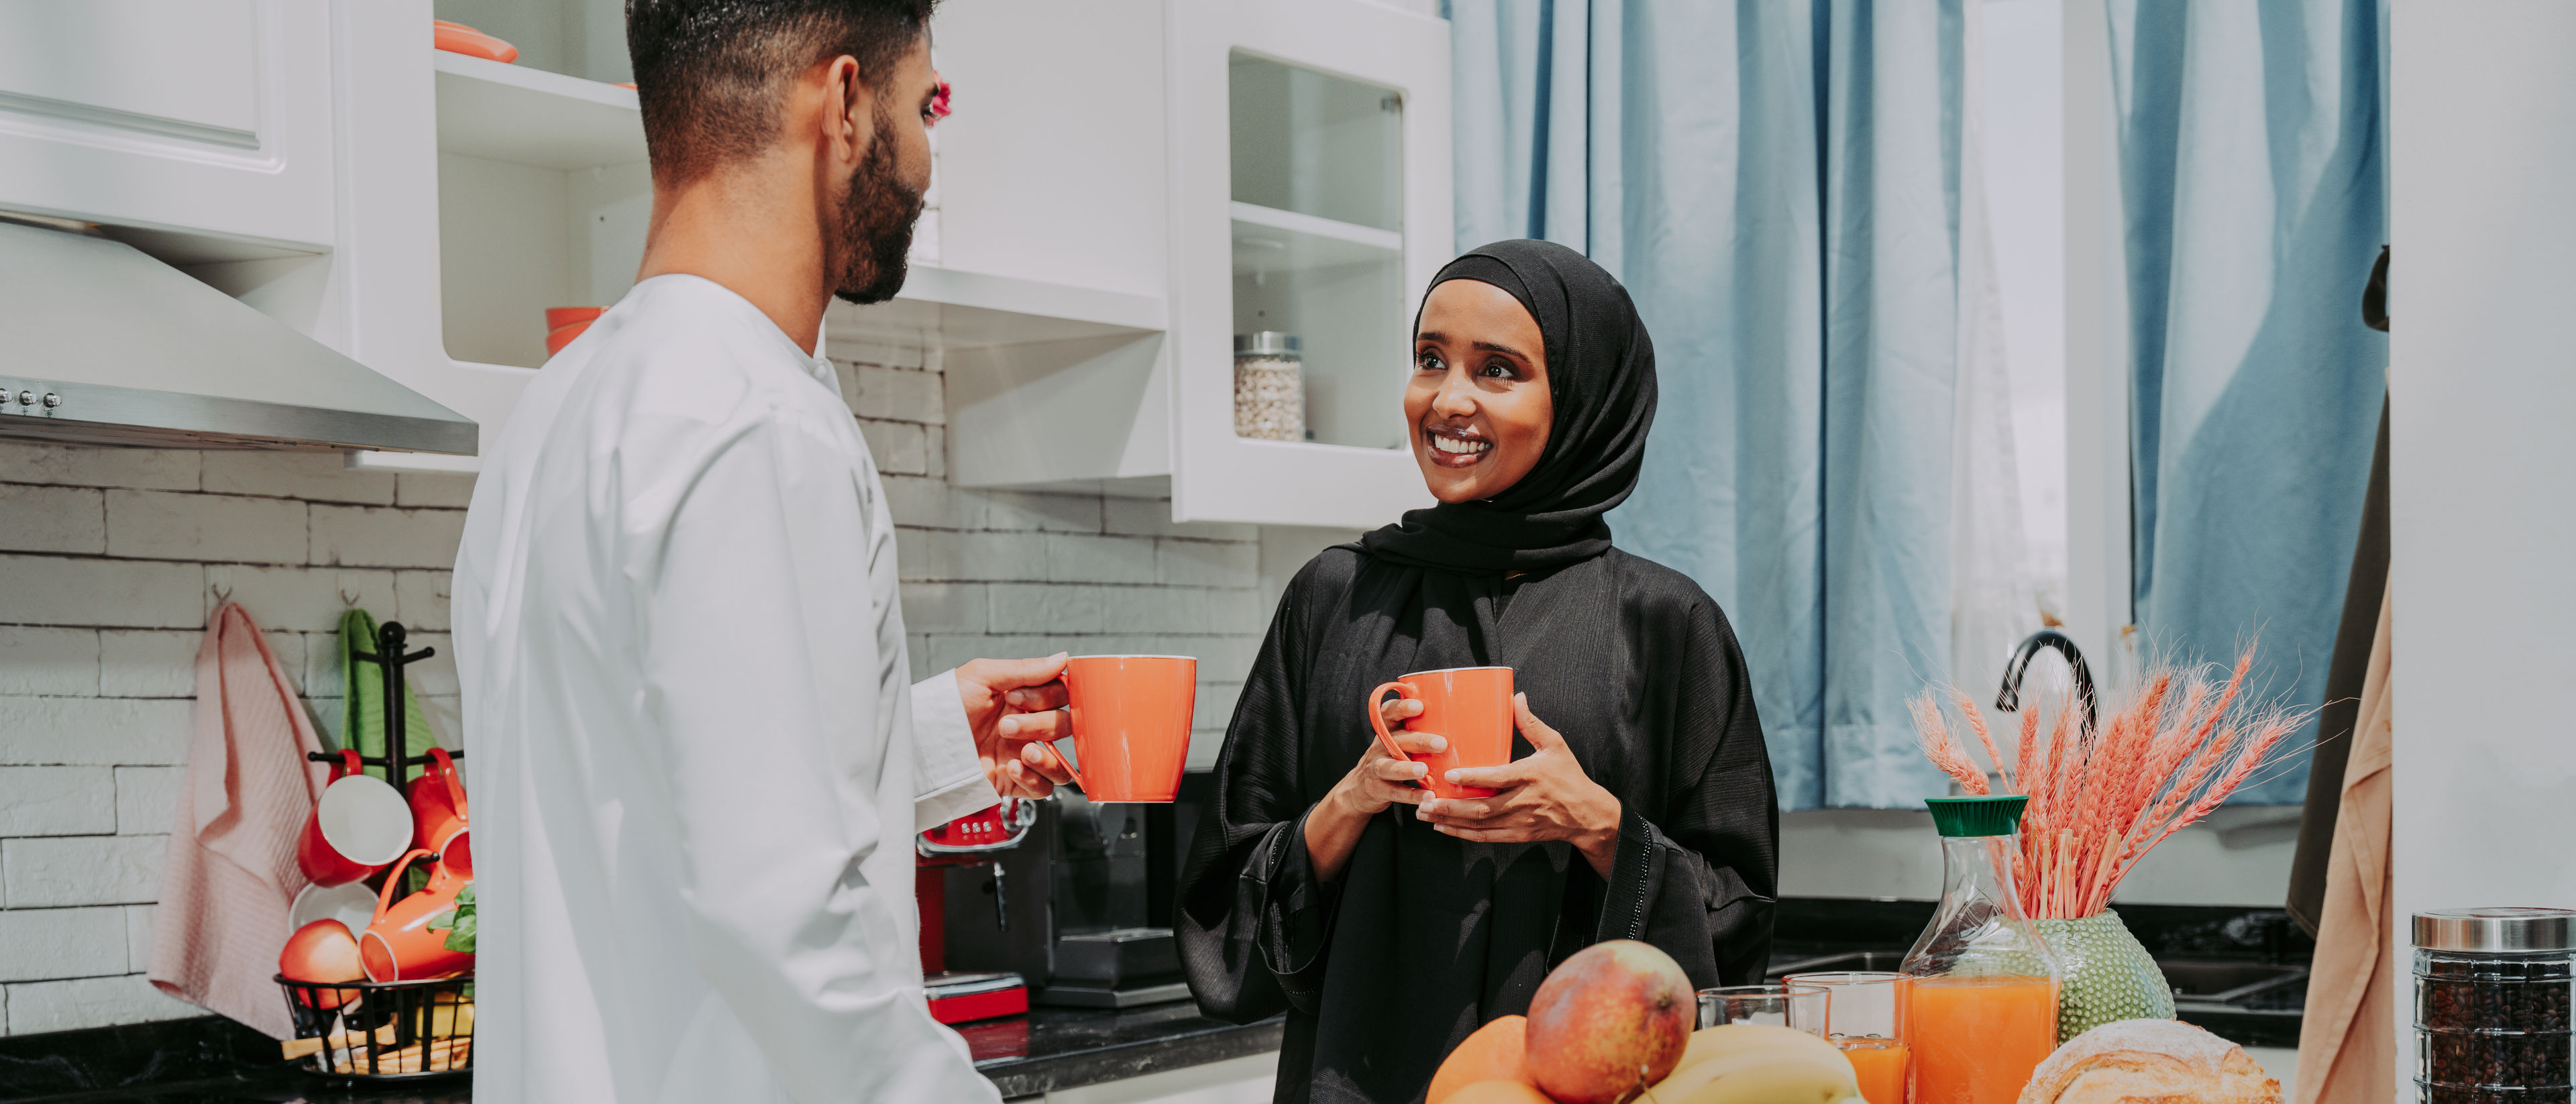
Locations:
(231, 877)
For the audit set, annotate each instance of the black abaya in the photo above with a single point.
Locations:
(1425, 937)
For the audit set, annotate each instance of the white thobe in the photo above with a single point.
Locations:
(694, 761)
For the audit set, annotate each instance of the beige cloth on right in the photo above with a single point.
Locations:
(2347, 1040)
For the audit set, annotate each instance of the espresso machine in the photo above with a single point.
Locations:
(973, 842)
(1076, 908)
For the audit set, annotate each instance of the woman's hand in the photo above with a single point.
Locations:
(1333, 827)
(1543, 797)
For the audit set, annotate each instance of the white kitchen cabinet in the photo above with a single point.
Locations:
(1312, 197)
(207, 119)
(1255, 165)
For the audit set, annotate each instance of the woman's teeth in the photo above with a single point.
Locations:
(1458, 445)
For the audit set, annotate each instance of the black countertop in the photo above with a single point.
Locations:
(213, 1061)
(1049, 1048)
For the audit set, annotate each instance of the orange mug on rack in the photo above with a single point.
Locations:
(1471, 707)
(400, 945)
(438, 812)
(1131, 724)
(358, 827)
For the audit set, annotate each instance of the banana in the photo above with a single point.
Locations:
(1725, 1039)
(1774, 1075)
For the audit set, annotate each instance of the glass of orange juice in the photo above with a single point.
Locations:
(1802, 1007)
(1866, 1017)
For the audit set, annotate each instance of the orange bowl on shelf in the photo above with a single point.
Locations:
(560, 317)
(457, 38)
(557, 339)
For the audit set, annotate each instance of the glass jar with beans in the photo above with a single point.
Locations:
(2492, 1005)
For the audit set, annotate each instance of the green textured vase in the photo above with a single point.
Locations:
(2109, 976)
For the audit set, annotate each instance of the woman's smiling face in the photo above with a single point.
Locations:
(1479, 402)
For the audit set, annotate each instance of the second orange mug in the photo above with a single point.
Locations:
(1471, 707)
(400, 945)
(1131, 724)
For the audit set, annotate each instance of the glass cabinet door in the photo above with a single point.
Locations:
(1318, 247)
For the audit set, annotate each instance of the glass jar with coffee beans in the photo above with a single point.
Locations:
(2492, 1005)
(1269, 387)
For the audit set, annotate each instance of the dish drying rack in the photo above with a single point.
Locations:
(388, 1030)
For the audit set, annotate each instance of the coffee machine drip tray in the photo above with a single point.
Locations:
(1115, 968)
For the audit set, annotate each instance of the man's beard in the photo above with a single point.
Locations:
(877, 214)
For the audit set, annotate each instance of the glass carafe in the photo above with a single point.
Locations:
(1983, 1009)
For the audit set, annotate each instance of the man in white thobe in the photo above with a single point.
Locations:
(695, 761)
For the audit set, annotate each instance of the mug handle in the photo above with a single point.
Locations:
(1060, 761)
(1377, 720)
(393, 882)
(447, 773)
(347, 765)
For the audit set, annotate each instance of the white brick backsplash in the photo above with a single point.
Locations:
(420, 600)
(1238, 611)
(311, 476)
(166, 525)
(433, 489)
(94, 731)
(1152, 517)
(97, 656)
(138, 938)
(147, 798)
(52, 519)
(922, 502)
(44, 944)
(1047, 608)
(50, 590)
(78, 466)
(149, 663)
(369, 536)
(893, 394)
(1208, 563)
(437, 674)
(57, 801)
(40, 1006)
(1077, 558)
(302, 599)
(61, 871)
(849, 352)
(35, 660)
(901, 448)
(1058, 512)
(1155, 609)
(943, 607)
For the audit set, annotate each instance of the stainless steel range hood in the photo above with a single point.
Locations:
(102, 344)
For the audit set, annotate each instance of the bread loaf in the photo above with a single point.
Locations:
(2150, 1062)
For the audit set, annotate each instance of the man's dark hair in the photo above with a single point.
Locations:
(712, 75)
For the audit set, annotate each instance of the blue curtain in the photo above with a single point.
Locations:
(1776, 181)
(2252, 177)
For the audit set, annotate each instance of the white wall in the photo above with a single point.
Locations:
(2482, 393)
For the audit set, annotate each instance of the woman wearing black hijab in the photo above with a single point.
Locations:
(1641, 808)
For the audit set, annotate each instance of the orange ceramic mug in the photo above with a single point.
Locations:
(400, 945)
(1131, 724)
(1471, 707)
(438, 811)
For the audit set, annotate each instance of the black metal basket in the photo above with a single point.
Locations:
(382, 1031)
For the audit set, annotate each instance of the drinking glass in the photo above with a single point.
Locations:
(1801, 1007)
(1866, 1018)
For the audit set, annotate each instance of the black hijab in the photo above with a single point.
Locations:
(1424, 936)
(1601, 377)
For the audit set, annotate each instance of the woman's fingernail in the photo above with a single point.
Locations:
(1009, 726)
(1439, 743)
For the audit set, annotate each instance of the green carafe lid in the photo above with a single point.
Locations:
(1977, 816)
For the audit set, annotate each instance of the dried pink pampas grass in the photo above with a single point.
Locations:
(2101, 798)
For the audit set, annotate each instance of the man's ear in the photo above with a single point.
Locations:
(853, 102)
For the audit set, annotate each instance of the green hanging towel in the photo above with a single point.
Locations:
(362, 682)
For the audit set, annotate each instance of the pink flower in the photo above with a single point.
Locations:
(939, 102)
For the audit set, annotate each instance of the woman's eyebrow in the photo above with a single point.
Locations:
(1490, 347)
